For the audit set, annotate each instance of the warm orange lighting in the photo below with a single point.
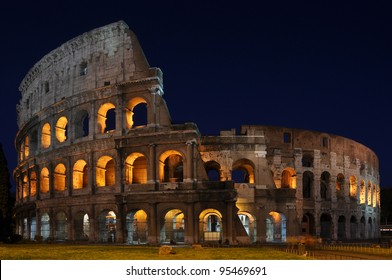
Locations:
(45, 136)
(61, 129)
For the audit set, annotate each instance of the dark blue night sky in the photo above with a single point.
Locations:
(317, 65)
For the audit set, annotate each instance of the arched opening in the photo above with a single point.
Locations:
(211, 225)
(44, 180)
(25, 186)
(243, 171)
(307, 184)
(362, 195)
(326, 226)
(81, 124)
(106, 118)
(341, 228)
(340, 185)
(61, 226)
(249, 223)
(353, 227)
(105, 172)
(107, 226)
(137, 227)
(288, 179)
(61, 129)
(136, 112)
(33, 183)
(26, 147)
(33, 228)
(308, 225)
(374, 196)
(45, 226)
(80, 175)
(275, 227)
(324, 185)
(60, 177)
(362, 228)
(213, 171)
(136, 169)
(171, 167)
(45, 136)
(172, 231)
(353, 187)
(82, 226)
(369, 193)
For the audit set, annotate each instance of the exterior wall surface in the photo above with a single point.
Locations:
(101, 161)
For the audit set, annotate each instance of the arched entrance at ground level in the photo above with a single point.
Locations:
(341, 228)
(172, 230)
(45, 226)
(353, 227)
(82, 226)
(362, 228)
(107, 226)
(137, 227)
(326, 226)
(33, 228)
(211, 229)
(308, 225)
(61, 226)
(276, 227)
(249, 223)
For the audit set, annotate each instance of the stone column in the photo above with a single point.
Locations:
(153, 232)
(188, 174)
(189, 226)
(70, 224)
(152, 168)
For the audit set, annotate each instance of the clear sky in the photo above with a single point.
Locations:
(317, 65)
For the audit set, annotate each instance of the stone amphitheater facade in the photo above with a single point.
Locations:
(101, 161)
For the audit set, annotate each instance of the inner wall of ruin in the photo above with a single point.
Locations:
(101, 161)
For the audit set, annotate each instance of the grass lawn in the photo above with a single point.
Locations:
(122, 252)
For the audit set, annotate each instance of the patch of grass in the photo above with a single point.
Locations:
(122, 252)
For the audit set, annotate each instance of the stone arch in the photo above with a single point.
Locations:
(342, 228)
(45, 226)
(80, 175)
(46, 136)
(353, 187)
(362, 196)
(308, 225)
(44, 180)
(25, 186)
(105, 172)
(353, 227)
(307, 184)
(33, 227)
(33, 183)
(171, 166)
(243, 171)
(60, 226)
(307, 160)
(249, 223)
(136, 169)
(81, 124)
(275, 227)
(136, 112)
(62, 129)
(213, 170)
(81, 226)
(26, 147)
(369, 193)
(325, 226)
(288, 178)
(107, 220)
(106, 118)
(60, 177)
(340, 181)
(210, 225)
(324, 185)
(137, 227)
(362, 228)
(173, 227)
(370, 228)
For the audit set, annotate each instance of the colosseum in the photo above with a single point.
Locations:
(99, 160)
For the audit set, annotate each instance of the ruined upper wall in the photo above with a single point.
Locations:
(104, 56)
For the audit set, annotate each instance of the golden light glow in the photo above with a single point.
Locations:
(105, 172)
(170, 167)
(136, 169)
(59, 177)
(45, 136)
(353, 186)
(129, 110)
(288, 178)
(102, 116)
(33, 183)
(80, 175)
(61, 129)
(44, 180)
(26, 147)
